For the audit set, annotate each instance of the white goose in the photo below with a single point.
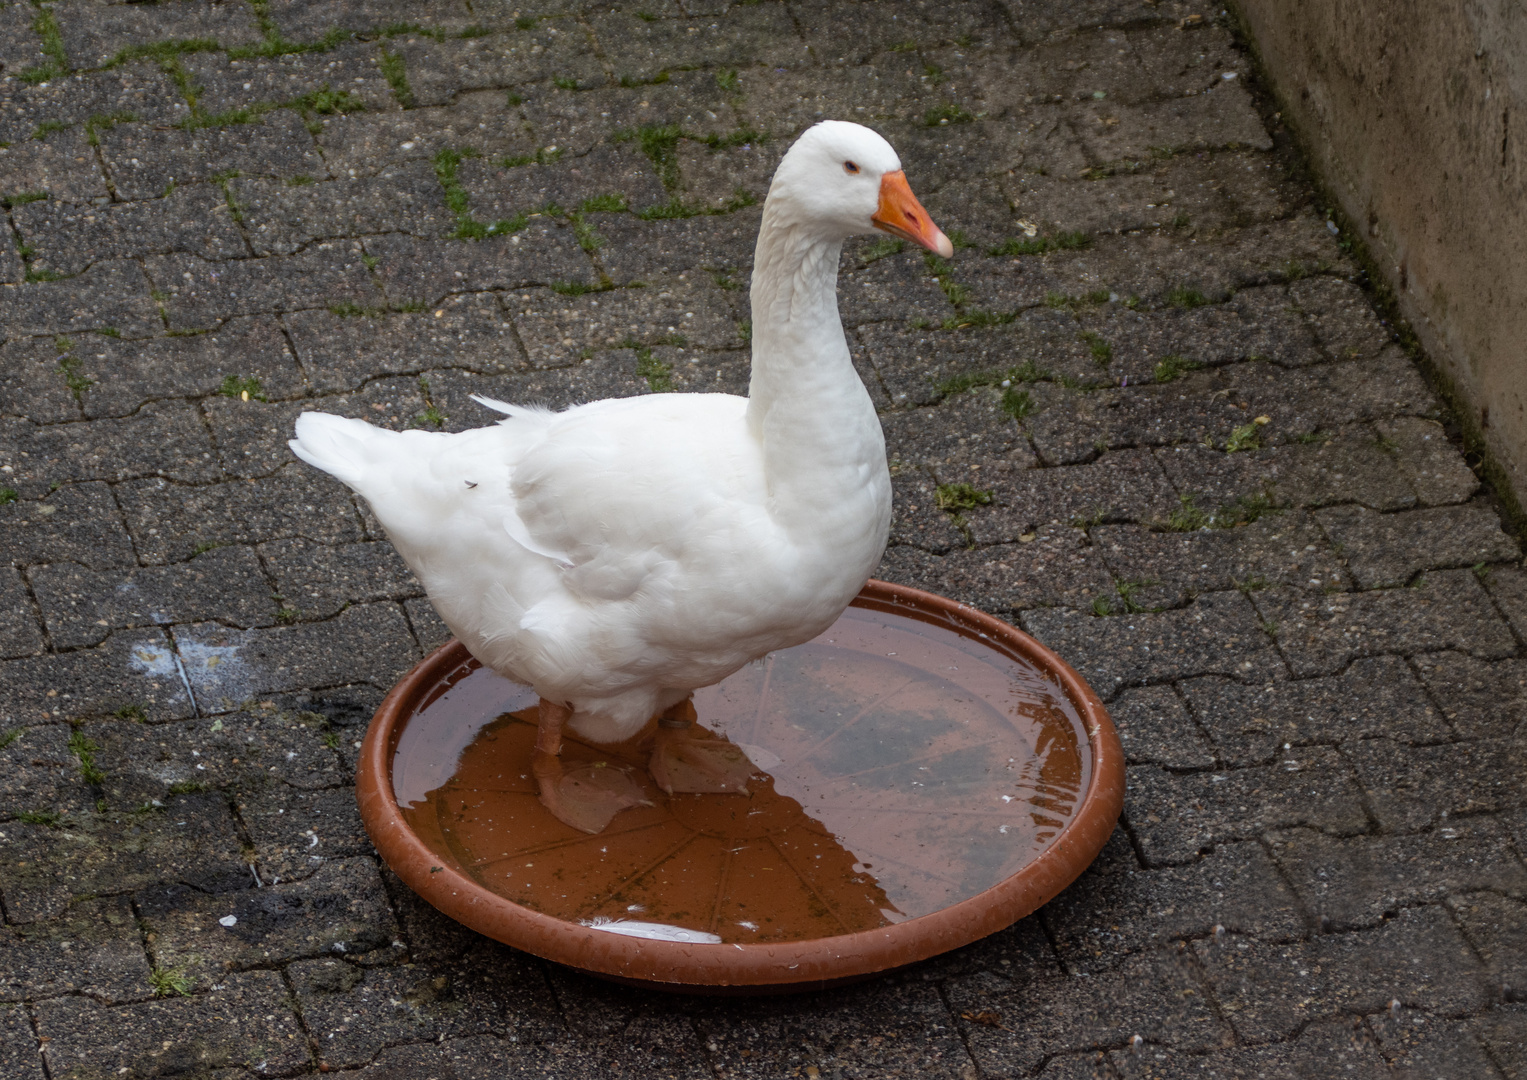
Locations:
(621, 554)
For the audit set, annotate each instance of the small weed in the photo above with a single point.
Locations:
(726, 78)
(132, 712)
(573, 288)
(525, 22)
(1076, 303)
(330, 739)
(1255, 583)
(544, 156)
(744, 136)
(1102, 351)
(1017, 403)
(162, 52)
(431, 415)
(613, 203)
(84, 751)
(169, 982)
(40, 817)
(1184, 297)
(76, 382)
(48, 127)
(21, 198)
(660, 142)
(1100, 607)
(37, 273)
(303, 181)
(1482, 572)
(7, 496)
(245, 389)
(1041, 245)
(646, 16)
(980, 317)
(1270, 628)
(961, 497)
(1087, 521)
(395, 71)
(886, 245)
(52, 44)
(1313, 437)
(286, 614)
(1172, 367)
(187, 787)
(10, 736)
(657, 373)
(745, 331)
(1188, 517)
(1243, 438)
(563, 82)
(1127, 591)
(904, 46)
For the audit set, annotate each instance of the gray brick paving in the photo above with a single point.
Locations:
(1208, 476)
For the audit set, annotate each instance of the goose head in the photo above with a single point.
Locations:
(842, 179)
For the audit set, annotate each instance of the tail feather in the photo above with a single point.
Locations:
(345, 449)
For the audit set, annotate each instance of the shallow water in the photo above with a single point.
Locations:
(904, 765)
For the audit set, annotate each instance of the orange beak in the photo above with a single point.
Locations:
(900, 214)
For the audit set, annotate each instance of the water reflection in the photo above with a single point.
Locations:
(903, 767)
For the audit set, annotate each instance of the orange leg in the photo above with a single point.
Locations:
(684, 760)
(585, 797)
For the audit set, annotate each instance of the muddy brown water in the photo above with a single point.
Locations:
(903, 764)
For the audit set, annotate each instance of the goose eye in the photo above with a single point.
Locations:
(850, 168)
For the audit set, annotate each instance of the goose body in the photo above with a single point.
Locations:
(618, 555)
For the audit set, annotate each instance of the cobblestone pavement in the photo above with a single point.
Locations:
(1147, 412)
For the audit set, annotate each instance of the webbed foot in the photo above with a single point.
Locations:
(685, 760)
(584, 797)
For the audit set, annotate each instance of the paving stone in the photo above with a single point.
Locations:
(897, 291)
(79, 522)
(1206, 407)
(19, 1051)
(554, 327)
(1126, 486)
(280, 218)
(1154, 995)
(192, 840)
(62, 164)
(429, 628)
(163, 439)
(1055, 568)
(320, 580)
(1481, 700)
(310, 20)
(1418, 1046)
(363, 144)
(965, 429)
(82, 607)
(719, 179)
(144, 160)
(576, 121)
(1347, 466)
(1329, 1048)
(1170, 567)
(170, 521)
(414, 270)
(234, 665)
(1319, 634)
(1410, 788)
(1503, 1030)
(201, 293)
(845, 32)
(147, 764)
(552, 49)
(639, 49)
(32, 384)
(341, 352)
(1269, 991)
(1176, 817)
(20, 45)
(247, 1020)
(110, 295)
(20, 630)
(901, 1030)
(1223, 116)
(636, 250)
(1154, 727)
(500, 190)
(785, 101)
(253, 436)
(41, 773)
(341, 909)
(353, 1012)
(1372, 697)
(1217, 634)
(1341, 316)
(69, 237)
(1115, 908)
(1508, 588)
(607, 374)
(92, 37)
(283, 824)
(916, 520)
(1390, 549)
(12, 269)
(94, 948)
(1428, 459)
(130, 668)
(1361, 881)
(227, 83)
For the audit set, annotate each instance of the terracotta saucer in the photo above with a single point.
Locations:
(925, 775)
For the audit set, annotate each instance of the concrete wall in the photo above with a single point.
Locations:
(1415, 112)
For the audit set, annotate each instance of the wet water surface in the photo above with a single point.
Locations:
(903, 764)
